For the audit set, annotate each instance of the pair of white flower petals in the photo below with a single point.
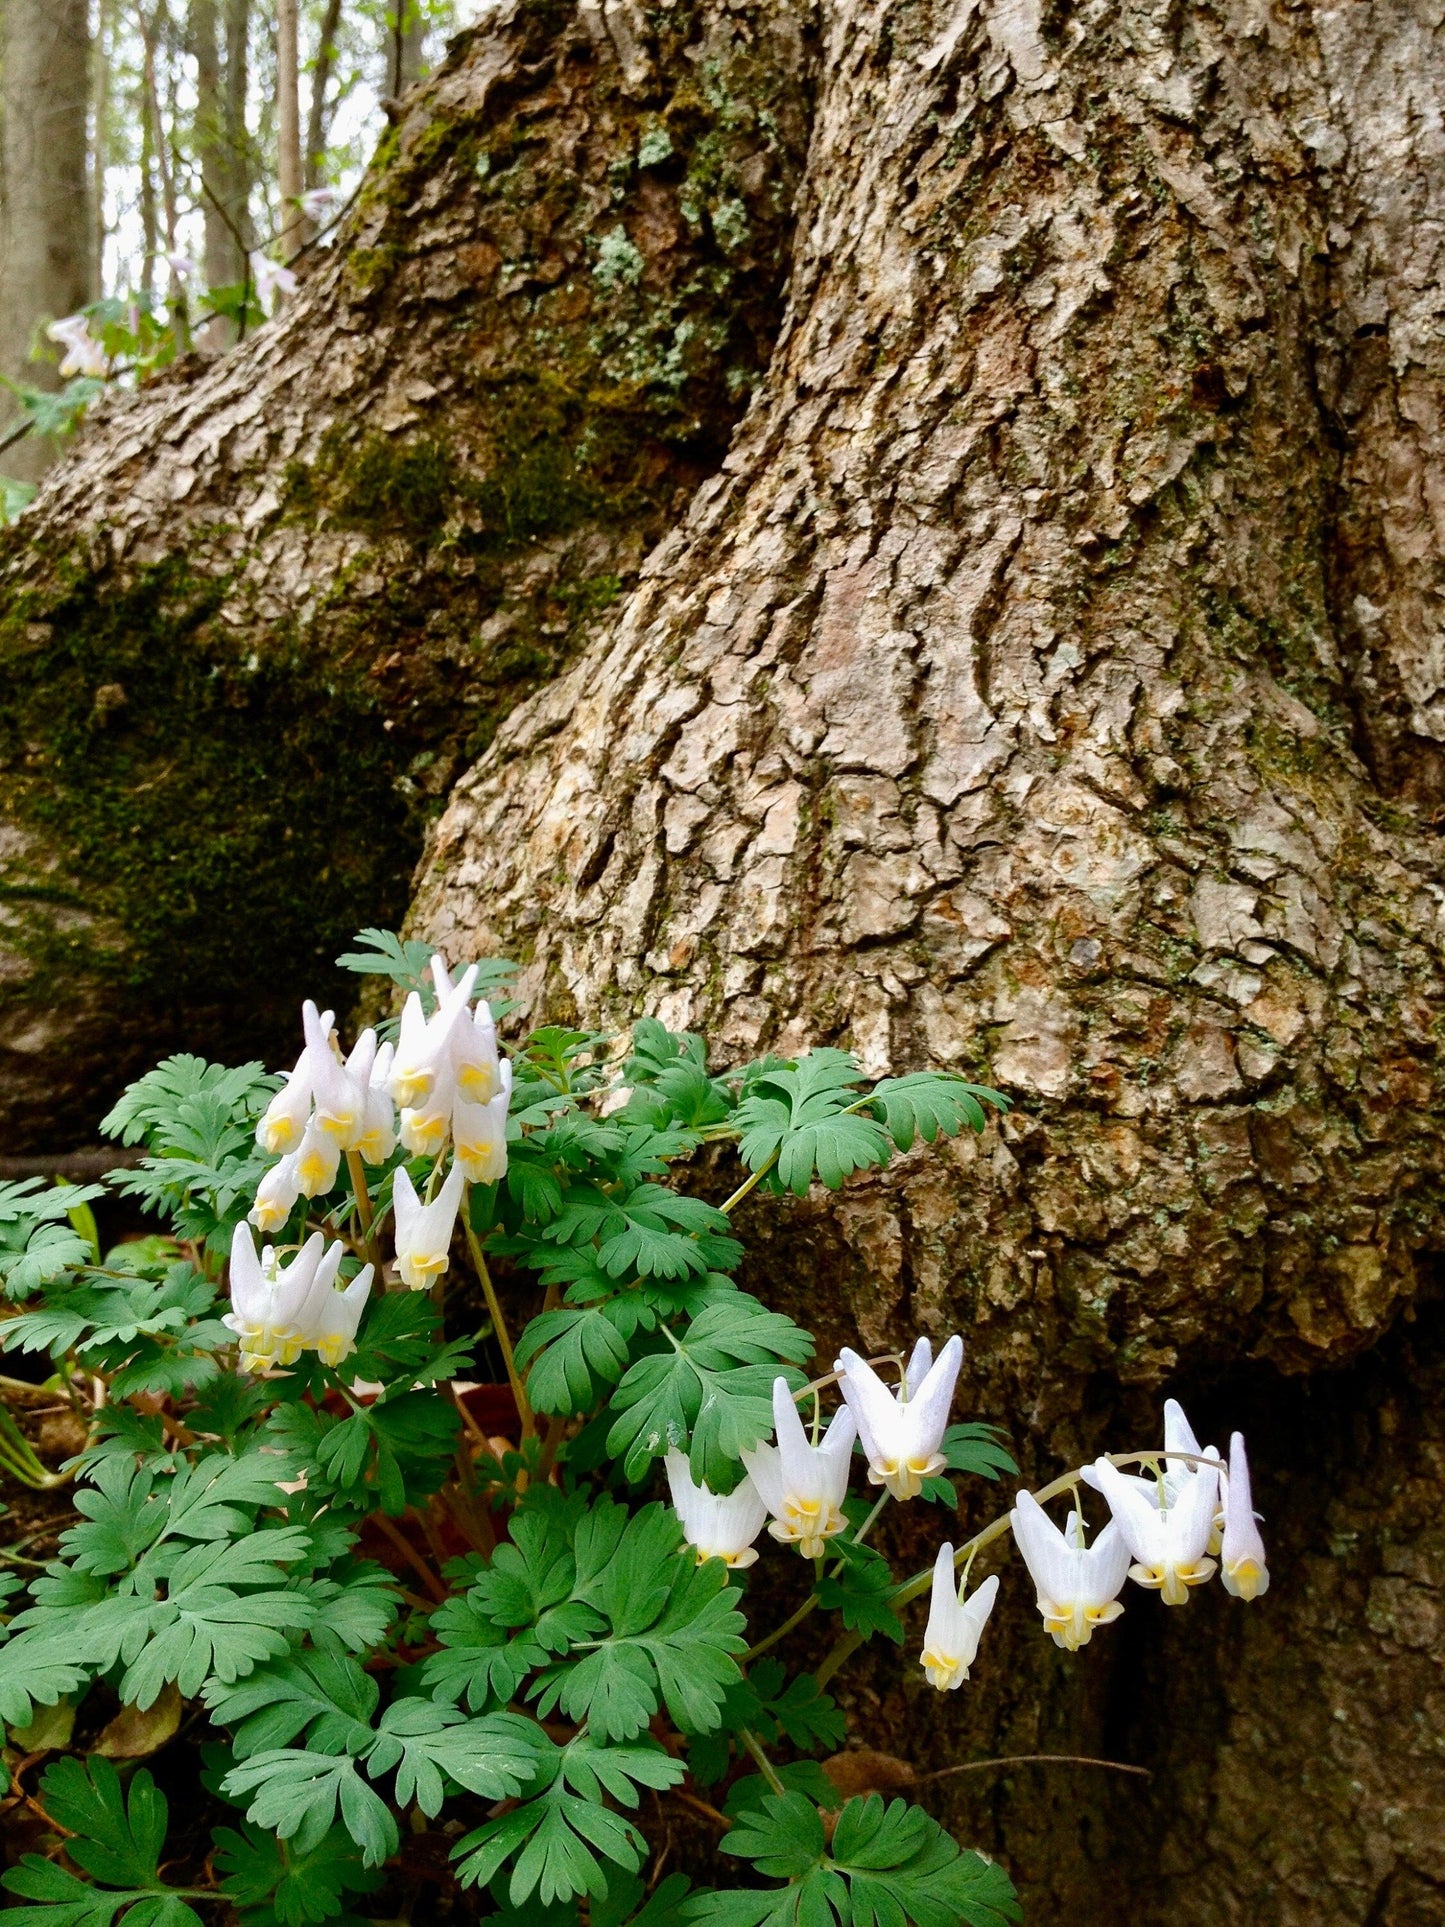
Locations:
(802, 1485)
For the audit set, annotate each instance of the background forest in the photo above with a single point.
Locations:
(150, 149)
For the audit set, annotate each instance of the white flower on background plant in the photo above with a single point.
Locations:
(424, 1231)
(338, 1090)
(718, 1525)
(268, 1298)
(317, 202)
(83, 353)
(803, 1485)
(955, 1624)
(480, 1133)
(1170, 1543)
(271, 278)
(1178, 1437)
(901, 1434)
(1078, 1585)
(184, 268)
(1243, 1569)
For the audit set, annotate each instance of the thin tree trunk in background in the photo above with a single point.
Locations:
(149, 225)
(46, 248)
(237, 149)
(408, 36)
(319, 116)
(288, 127)
(223, 261)
(100, 141)
(155, 114)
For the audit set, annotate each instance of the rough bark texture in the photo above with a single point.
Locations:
(1049, 687)
(261, 619)
(45, 250)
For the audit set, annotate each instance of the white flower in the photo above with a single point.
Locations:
(267, 1298)
(1244, 1572)
(1077, 1585)
(378, 1122)
(315, 1160)
(184, 268)
(803, 1485)
(285, 1118)
(275, 1195)
(318, 201)
(424, 1231)
(271, 278)
(480, 1131)
(901, 1435)
(83, 353)
(954, 1624)
(1169, 1542)
(476, 1065)
(421, 1072)
(720, 1525)
(329, 1318)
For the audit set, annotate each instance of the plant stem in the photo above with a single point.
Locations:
(748, 1184)
(499, 1324)
(781, 1632)
(763, 1763)
(363, 1211)
(868, 1524)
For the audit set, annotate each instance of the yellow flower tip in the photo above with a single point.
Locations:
(1247, 1579)
(747, 1557)
(266, 1217)
(418, 1274)
(337, 1125)
(331, 1351)
(279, 1134)
(411, 1089)
(943, 1672)
(478, 1083)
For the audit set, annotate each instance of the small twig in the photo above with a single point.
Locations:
(1034, 1759)
(364, 1212)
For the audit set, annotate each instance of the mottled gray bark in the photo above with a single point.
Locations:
(1051, 687)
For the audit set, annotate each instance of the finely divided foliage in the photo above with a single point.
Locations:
(380, 1608)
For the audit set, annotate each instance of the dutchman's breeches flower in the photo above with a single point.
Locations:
(424, 1231)
(1170, 1543)
(378, 1122)
(329, 1318)
(421, 1073)
(901, 1435)
(276, 1194)
(1077, 1585)
(955, 1624)
(316, 1159)
(1243, 1570)
(285, 1118)
(479, 1132)
(803, 1485)
(268, 1299)
(718, 1525)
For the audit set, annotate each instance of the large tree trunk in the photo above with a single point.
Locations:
(45, 235)
(1051, 687)
(1046, 685)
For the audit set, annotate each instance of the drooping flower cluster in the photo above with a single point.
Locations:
(279, 1311)
(1162, 1532)
(452, 1088)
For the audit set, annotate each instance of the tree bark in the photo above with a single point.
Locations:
(1050, 687)
(1046, 683)
(45, 249)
